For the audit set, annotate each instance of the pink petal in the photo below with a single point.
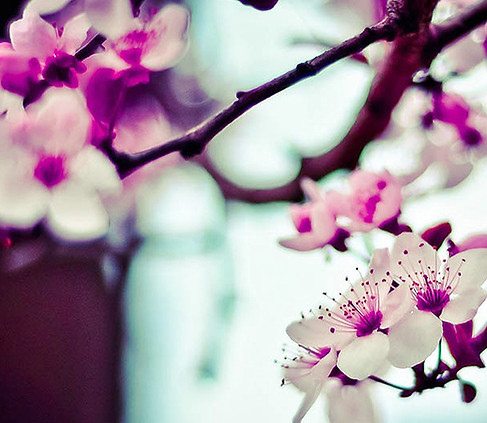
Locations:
(33, 36)
(112, 18)
(46, 7)
(168, 40)
(74, 34)
(396, 305)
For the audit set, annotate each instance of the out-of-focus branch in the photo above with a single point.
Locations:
(414, 48)
(194, 142)
(408, 55)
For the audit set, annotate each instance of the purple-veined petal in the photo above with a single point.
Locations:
(364, 356)
(414, 338)
(462, 308)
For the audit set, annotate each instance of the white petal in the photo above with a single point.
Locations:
(463, 308)
(76, 214)
(92, 168)
(378, 267)
(411, 254)
(472, 264)
(364, 356)
(112, 18)
(414, 338)
(23, 203)
(396, 305)
(314, 332)
(309, 399)
(303, 373)
(46, 7)
(348, 404)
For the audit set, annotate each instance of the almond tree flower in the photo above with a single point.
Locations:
(374, 200)
(154, 42)
(360, 324)
(308, 371)
(39, 49)
(51, 172)
(315, 222)
(441, 290)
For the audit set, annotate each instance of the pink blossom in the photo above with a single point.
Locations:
(51, 172)
(315, 222)
(38, 50)
(153, 42)
(375, 199)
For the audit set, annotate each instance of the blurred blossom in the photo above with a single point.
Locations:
(154, 41)
(49, 169)
(315, 223)
(39, 49)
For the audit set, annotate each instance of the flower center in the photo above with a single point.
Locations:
(62, 69)
(368, 323)
(50, 170)
(432, 299)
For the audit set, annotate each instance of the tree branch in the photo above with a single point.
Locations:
(196, 140)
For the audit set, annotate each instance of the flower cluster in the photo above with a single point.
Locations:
(392, 316)
(374, 201)
(64, 106)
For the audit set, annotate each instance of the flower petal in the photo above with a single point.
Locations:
(411, 254)
(112, 18)
(169, 44)
(414, 338)
(463, 308)
(76, 214)
(472, 264)
(364, 356)
(314, 332)
(396, 305)
(74, 33)
(23, 202)
(92, 168)
(350, 404)
(33, 36)
(46, 7)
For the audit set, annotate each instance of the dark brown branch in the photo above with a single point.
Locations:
(195, 141)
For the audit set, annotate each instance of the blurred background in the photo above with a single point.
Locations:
(184, 324)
